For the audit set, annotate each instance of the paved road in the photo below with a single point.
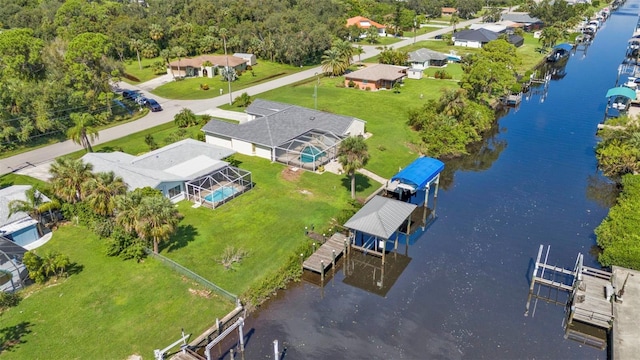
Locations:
(172, 107)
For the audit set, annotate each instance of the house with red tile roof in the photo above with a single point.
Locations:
(448, 11)
(364, 23)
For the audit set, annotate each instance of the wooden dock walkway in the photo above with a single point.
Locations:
(326, 256)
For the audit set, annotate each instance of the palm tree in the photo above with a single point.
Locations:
(179, 52)
(333, 62)
(452, 102)
(165, 54)
(101, 191)
(359, 50)
(34, 205)
(345, 49)
(455, 19)
(125, 208)
(353, 155)
(155, 32)
(83, 133)
(136, 45)
(185, 118)
(67, 177)
(156, 219)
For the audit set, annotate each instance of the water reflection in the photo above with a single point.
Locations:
(602, 190)
(368, 273)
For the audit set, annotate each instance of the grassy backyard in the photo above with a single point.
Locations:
(110, 309)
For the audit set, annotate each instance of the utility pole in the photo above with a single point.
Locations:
(224, 40)
(315, 91)
(415, 25)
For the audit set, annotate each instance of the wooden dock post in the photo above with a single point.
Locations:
(333, 260)
(322, 270)
(302, 261)
(314, 247)
(276, 351)
(231, 354)
(241, 336)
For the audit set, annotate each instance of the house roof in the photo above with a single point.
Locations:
(8, 194)
(521, 17)
(479, 35)
(363, 23)
(216, 60)
(420, 172)
(281, 123)
(449, 10)
(496, 28)
(423, 54)
(381, 216)
(184, 160)
(378, 72)
(243, 55)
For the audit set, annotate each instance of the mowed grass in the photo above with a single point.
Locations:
(268, 222)
(110, 309)
(146, 73)
(385, 112)
(189, 88)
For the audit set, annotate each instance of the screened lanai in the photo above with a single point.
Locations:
(309, 150)
(220, 186)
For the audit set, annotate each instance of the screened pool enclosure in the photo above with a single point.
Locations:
(309, 150)
(217, 188)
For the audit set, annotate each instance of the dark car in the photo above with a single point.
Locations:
(153, 105)
(130, 94)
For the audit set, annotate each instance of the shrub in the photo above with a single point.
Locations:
(125, 245)
(243, 100)
(352, 83)
(9, 299)
(151, 142)
(230, 256)
(320, 169)
(41, 268)
(204, 86)
(249, 67)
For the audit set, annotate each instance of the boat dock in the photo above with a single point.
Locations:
(327, 254)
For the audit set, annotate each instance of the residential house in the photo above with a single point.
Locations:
(376, 77)
(448, 11)
(250, 58)
(364, 23)
(289, 134)
(424, 58)
(167, 169)
(205, 65)
(494, 27)
(19, 227)
(528, 22)
(477, 38)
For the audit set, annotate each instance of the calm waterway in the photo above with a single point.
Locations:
(463, 294)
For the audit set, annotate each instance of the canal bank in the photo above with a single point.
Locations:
(463, 289)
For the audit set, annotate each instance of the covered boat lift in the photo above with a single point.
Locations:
(620, 98)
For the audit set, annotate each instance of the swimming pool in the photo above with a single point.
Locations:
(221, 194)
(310, 154)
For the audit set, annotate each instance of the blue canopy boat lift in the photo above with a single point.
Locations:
(389, 215)
(619, 99)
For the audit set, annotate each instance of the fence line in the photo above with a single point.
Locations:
(172, 264)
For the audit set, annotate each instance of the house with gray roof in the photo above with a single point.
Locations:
(526, 21)
(286, 133)
(477, 38)
(376, 77)
(424, 58)
(167, 169)
(18, 227)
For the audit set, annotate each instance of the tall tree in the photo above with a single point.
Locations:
(345, 49)
(136, 45)
(353, 155)
(67, 177)
(34, 204)
(83, 133)
(156, 220)
(179, 52)
(333, 62)
(102, 190)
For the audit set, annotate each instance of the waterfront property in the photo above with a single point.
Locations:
(19, 227)
(187, 168)
(424, 58)
(524, 20)
(477, 38)
(285, 133)
(376, 77)
(619, 100)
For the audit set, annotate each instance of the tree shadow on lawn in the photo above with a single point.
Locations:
(362, 183)
(75, 268)
(181, 238)
(11, 336)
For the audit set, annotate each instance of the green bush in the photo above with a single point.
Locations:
(352, 83)
(125, 245)
(9, 299)
(204, 86)
(42, 268)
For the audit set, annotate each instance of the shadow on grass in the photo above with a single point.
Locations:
(74, 269)
(11, 336)
(362, 183)
(182, 237)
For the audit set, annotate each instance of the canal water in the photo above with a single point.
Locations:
(462, 293)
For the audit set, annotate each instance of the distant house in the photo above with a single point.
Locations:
(169, 169)
(285, 133)
(477, 38)
(496, 28)
(527, 22)
(250, 58)
(448, 11)
(19, 227)
(424, 58)
(193, 67)
(376, 77)
(365, 24)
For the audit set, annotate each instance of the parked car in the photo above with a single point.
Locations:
(141, 100)
(153, 105)
(130, 94)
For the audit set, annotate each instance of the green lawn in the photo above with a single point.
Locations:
(384, 111)
(109, 310)
(190, 88)
(132, 67)
(15, 179)
(268, 221)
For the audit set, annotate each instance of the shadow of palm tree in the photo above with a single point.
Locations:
(75, 268)
(11, 336)
(362, 182)
(181, 238)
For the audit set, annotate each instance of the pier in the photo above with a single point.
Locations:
(326, 255)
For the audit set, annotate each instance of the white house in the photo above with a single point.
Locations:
(19, 227)
(285, 133)
(166, 169)
(249, 58)
(424, 58)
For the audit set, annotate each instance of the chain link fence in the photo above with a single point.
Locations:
(202, 281)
